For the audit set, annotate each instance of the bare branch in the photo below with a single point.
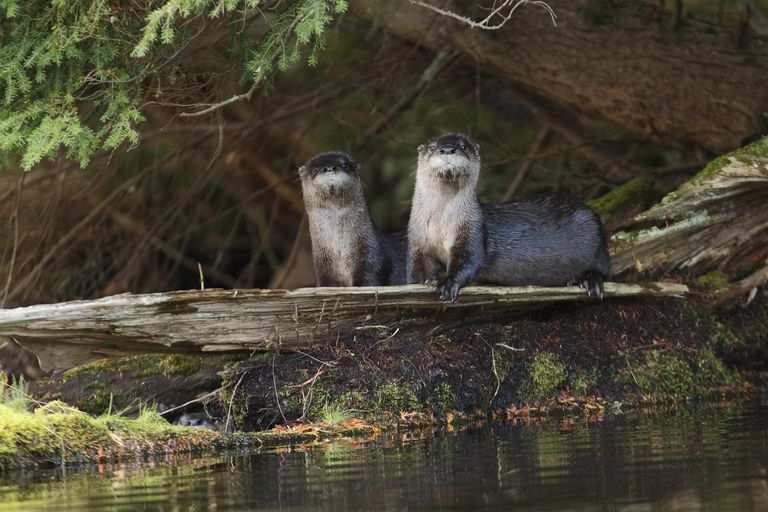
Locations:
(522, 172)
(487, 23)
(216, 106)
(246, 95)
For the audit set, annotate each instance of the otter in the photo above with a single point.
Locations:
(347, 248)
(454, 240)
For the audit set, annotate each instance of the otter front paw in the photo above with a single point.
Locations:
(593, 283)
(449, 290)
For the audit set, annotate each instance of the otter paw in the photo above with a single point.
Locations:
(449, 290)
(593, 283)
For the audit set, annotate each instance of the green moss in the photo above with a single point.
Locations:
(712, 372)
(583, 381)
(180, 365)
(714, 281)
(352, 400)
(145, 365)
(56, 433)
(722, 337)
(394, 397)
(87, 371)
(545, 375)
(97, 402)
(236, 405)
(669, 375)
(442, 396)
(659, 373)
(638, 190)
(755, 153)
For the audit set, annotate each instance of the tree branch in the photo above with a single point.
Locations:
(485, 23)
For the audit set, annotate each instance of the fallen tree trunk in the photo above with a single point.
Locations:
(67, 334)
(612, 60)
(716, 220)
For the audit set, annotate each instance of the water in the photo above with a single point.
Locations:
(705, 460)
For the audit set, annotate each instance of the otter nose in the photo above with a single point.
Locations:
(329, 168)
(447, 149)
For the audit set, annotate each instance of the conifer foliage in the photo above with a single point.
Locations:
(75, 75)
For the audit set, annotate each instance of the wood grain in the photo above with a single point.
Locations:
(71, 333)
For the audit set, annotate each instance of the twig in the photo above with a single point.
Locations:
(215, 106)
(485, 23)
(439, 63)
(746, 285)
(15, 248)
(504, 345)
(522, 173)
(200, 399)
(95, 213)
(133, 226)
(274, 386)
(246, 95)
(202, 277)
(232, 399)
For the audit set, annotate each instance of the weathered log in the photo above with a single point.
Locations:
(71, 333)
(716, 220)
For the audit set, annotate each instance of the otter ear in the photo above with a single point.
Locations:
(358, 167)
(421, 148)
(302, 170)
(477, 147)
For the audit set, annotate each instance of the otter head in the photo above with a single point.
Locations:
(333, 176)
(451, 158)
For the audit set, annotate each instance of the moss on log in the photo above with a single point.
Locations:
(715, 221)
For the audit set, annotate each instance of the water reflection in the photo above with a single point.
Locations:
(683, 461)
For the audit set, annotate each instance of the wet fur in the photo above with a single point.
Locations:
(453, 240)
(347, 248)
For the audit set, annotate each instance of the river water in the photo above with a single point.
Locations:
(713, 460)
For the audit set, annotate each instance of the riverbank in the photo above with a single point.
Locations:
(584, 361)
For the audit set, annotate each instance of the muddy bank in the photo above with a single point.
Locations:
(581, 359)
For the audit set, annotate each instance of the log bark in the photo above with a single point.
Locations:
(611, 60)
(71, 333)
(718, 220)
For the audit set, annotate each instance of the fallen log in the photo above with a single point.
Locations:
(68, 334)
(715, 221)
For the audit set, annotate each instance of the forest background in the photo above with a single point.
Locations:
(145, 142)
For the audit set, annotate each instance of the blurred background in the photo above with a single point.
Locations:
(619, 91)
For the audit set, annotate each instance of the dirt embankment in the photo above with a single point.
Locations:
(576, 359)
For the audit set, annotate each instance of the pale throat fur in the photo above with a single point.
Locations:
(337, 214)
(444, 201)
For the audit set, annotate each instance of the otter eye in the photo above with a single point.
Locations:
(432, 146)
(463, 147)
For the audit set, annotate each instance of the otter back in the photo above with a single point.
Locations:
(548, 240)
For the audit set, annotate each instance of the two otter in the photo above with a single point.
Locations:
(454, 240)
(347, 248)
